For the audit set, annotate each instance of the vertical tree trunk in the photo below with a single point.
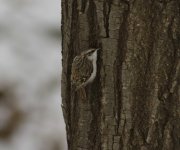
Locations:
(134, 102)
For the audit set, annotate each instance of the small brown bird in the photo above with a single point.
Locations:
(84, 68)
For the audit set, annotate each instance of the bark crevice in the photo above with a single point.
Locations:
(133, 103)
(106, 13)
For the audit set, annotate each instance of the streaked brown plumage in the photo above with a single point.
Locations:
(82, 69)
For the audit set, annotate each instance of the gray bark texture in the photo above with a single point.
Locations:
(134, 102)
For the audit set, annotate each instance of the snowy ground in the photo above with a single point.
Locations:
(30, 66)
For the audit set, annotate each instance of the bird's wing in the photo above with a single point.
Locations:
(82, 69)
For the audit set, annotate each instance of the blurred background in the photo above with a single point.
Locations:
(30, 71)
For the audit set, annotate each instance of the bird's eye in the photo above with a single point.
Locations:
(90, 53)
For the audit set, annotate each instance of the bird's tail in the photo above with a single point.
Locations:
(73, 92)
(82, 93)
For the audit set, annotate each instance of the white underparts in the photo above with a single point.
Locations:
(93, 58)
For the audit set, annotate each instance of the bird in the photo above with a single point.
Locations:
(84, 68)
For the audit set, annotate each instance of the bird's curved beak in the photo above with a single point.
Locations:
(97, 49)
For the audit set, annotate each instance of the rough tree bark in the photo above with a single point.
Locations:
(134, 102)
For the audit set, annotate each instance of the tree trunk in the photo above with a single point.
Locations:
(134, 102)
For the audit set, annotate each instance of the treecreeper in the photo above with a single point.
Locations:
(83, 71)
